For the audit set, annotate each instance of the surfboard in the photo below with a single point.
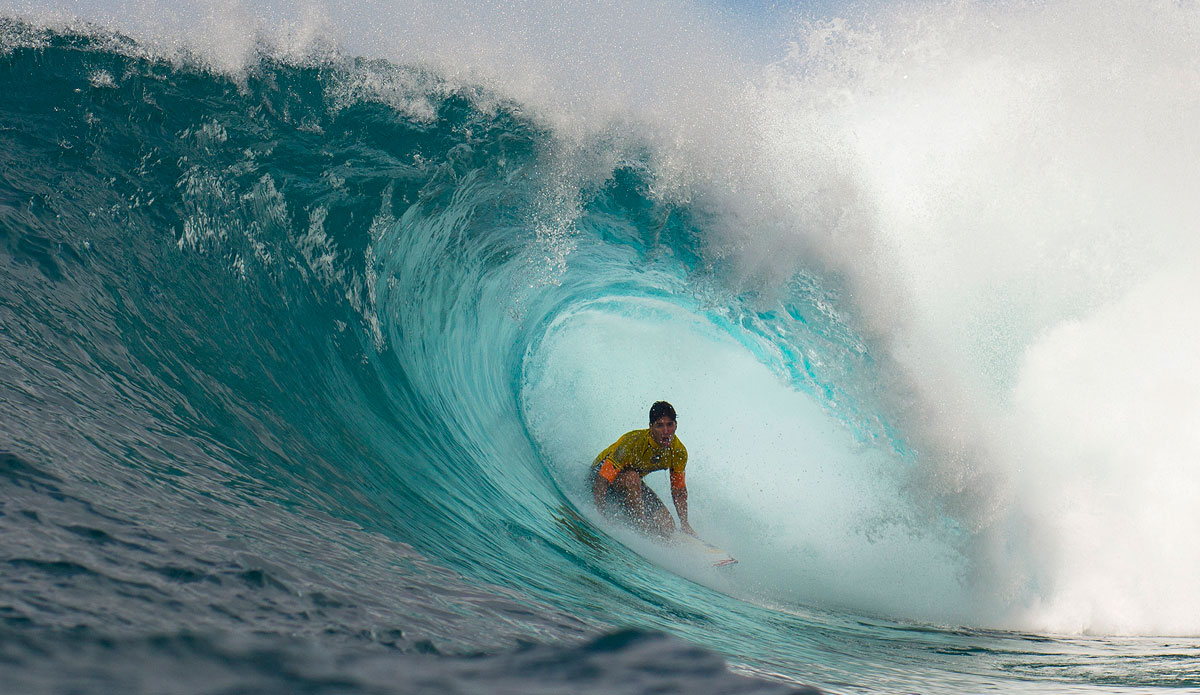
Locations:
(709, 552)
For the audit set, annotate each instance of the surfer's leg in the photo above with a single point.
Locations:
(644, 506)
(654, 515)
(628, 486)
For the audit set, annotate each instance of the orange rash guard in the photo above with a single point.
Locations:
(637, 451)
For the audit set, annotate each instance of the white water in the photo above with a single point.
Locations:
(1033, 174)
(814, 517)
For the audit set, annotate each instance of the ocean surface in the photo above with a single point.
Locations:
(312, 318)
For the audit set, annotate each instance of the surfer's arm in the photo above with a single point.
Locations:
(679, 497)
(601, 482)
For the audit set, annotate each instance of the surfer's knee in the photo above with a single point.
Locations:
(666, 523)
(659, 525)
(628, 482)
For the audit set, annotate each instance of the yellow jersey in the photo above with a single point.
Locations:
(637, 451)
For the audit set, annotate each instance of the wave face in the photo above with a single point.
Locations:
(306, 346)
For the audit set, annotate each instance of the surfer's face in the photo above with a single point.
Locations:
(662, 431)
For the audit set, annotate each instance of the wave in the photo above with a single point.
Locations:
(922, 294)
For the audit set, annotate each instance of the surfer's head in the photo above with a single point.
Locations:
(661, 409)
(662, 423)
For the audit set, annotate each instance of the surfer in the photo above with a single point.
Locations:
(617, 474)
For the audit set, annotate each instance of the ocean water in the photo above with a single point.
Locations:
(312, 318)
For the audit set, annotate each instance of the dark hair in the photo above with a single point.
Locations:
(661, 408)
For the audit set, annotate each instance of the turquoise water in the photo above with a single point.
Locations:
(303, 363)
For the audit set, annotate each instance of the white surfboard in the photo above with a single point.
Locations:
(709, 552)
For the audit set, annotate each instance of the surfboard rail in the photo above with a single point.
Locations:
(718, 557)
